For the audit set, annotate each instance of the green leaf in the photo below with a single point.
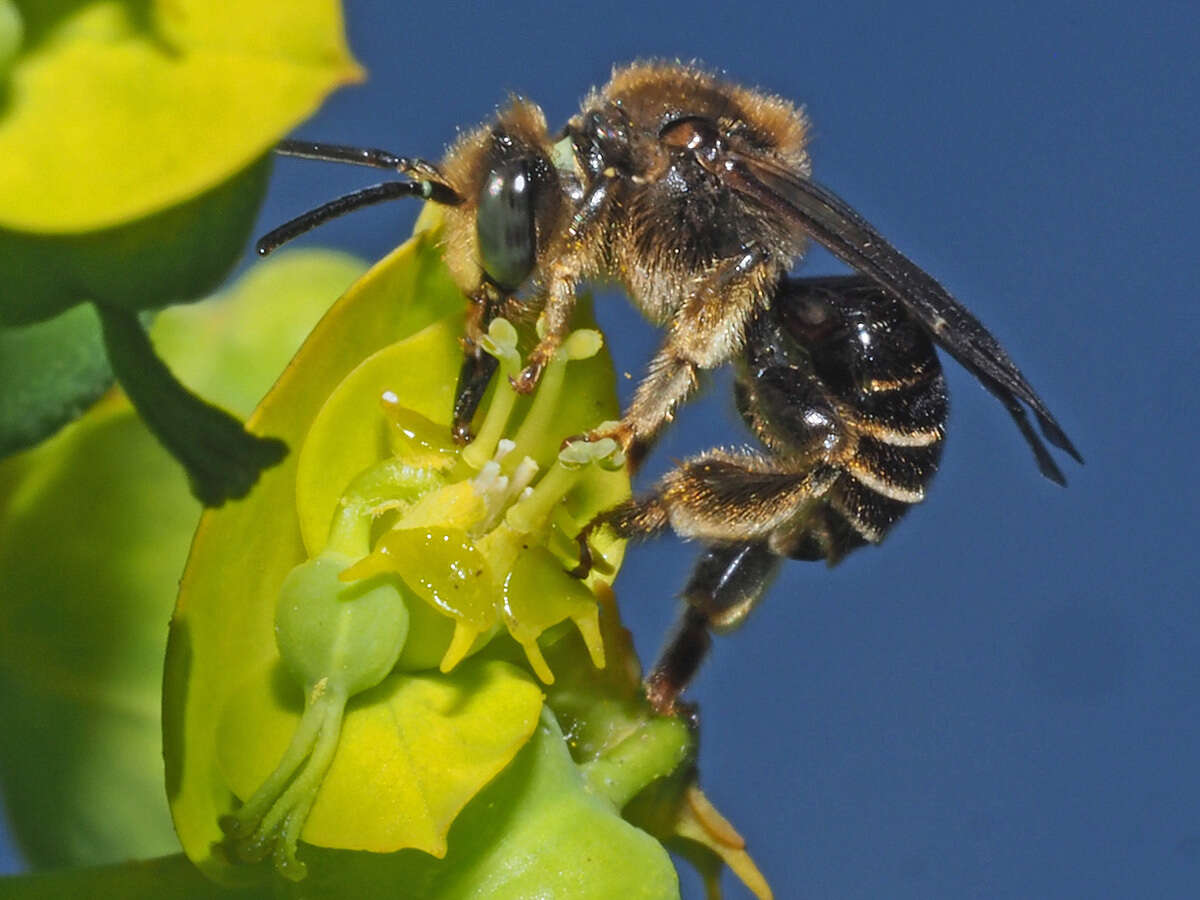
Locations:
(554, 838)
(135, 137)
(49, 275)
(221, 459)
(95, 526)
(50, 373)
(85, 589)
(12, 32)
(536, 831)
(171, 877)
(177, 254)
(625, 750)
(234, 345)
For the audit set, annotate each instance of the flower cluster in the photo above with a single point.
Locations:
(383, 645)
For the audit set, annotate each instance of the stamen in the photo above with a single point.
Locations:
(501, 519)
(500, 342)
(531, 512)
(499, 490)
(578, 345)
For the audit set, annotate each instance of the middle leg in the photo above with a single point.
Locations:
(706, 331)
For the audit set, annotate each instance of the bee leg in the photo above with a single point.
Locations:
(670, 382)
(561, 281)
(749, 511)
(635, 518)
(729, 579)
(554, 324)
(672, 379)
(477, 368)
(706, 332)
(473, 380)
(721, 497)
(678, 661)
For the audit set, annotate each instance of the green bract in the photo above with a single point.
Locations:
(95, 526)
(467, 541)
(460, 550)
(134, 164)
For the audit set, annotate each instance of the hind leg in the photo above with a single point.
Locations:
(748, 510)
(720, 497)
(727, 582)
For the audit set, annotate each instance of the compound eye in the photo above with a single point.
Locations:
(694, 133)
(504, 225)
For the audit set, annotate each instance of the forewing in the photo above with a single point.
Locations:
(833, 223)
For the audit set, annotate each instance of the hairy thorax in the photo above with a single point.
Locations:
(674, 225)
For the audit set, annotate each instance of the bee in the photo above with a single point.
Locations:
(695, 195)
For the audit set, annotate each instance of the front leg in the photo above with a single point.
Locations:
(478, 366)
(554, 324)
(563, 277)
(672, 379)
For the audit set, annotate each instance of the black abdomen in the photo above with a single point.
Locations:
(838, 377)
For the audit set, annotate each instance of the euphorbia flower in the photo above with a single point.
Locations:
(364, 645)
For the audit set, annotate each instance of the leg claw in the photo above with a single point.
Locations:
(589, 561)
(528, 379)
(585, 553)
(617, 431)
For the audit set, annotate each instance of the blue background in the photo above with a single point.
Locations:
(1004, 699)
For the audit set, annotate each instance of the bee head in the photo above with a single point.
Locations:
(513, 200)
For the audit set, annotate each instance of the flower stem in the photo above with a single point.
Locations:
(654, 749)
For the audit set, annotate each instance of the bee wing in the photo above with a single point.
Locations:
(833, 223)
